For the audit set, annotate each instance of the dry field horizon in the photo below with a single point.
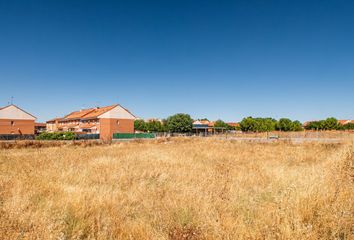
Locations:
(178, 188)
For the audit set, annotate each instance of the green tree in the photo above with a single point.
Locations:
(284, 124)
(140, 125)
(330, 124)
(221, 124)
(296, 126)
(266, 124)
(315, 125)
(248, 124)
(154, 126)
(348, 126)
(180, 123)
(164, 126)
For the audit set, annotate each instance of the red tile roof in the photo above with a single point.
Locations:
(78, 114)
(201, 122)
(343, 122)
(233, 124)
(99, 111)
(211, 124)
(54, 119)
(90, 112)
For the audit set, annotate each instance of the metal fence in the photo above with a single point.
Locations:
(133, 135)
(9, 137)
(87, 136)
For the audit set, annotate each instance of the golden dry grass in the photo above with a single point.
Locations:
(343, 135)
(178, 189)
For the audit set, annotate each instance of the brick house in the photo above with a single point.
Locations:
(343, 122)
(100, 120)
(14, 120)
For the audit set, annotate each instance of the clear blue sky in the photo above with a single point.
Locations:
(214, 59)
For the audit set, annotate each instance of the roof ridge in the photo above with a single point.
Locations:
(19, 109)
(106, 109)
(92, 109)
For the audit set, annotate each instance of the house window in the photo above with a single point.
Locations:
(117, 122)
(12, 123)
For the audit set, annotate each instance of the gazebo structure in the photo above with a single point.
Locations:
(205, 127)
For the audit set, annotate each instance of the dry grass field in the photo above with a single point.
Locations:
(178, 189)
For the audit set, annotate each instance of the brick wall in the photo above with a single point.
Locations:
(108, 126)
(13, 126)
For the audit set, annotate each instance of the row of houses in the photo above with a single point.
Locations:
(104, 121)
(99, 120)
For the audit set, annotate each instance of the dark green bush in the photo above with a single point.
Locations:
(56, 136)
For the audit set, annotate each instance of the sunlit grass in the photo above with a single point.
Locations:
(177, 189)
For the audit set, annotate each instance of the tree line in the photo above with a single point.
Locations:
(179, 123)
(250, 124)
(328, 124)
(183, 123)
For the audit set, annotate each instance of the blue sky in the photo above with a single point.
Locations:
(214, 59)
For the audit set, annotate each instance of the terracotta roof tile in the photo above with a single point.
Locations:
(54, 119)
(98, 111)
(343, 122)
(79, 114)
(211, 124)
(233, 124)
(87, 113)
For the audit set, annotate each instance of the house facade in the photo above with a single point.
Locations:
(14, 120)
(100, 120)
(343, 122)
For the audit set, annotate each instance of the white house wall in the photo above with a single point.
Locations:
(117, 112)
(12, 112)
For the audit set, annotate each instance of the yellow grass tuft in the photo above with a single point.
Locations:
(178, 189)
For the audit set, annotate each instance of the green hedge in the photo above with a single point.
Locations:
(133, 135)
(56, 136)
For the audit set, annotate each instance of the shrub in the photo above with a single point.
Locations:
(56, 136)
